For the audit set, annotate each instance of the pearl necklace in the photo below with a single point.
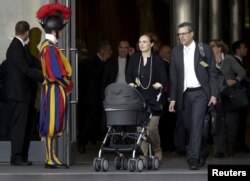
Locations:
(150, 76)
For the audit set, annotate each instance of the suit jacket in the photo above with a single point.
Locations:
(111, 69)
(20, 72)
(244, 82)
(93, 86)
(207, 76)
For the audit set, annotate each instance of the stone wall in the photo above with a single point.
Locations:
(12, 11)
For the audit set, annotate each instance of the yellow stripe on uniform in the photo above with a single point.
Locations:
(52, 111)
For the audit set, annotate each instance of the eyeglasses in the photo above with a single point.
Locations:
(183, 34)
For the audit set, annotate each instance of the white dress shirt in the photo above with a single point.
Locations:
(190, 79)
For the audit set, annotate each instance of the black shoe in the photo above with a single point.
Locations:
(20, 163)
(50, 166)
(202, 162)
(193, 167)
(27, 162)
(219, 155)
(180, 153)
(53, 166)
(62, 165)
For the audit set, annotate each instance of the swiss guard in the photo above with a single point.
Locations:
(57, 72)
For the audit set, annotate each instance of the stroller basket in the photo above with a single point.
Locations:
(125, 117)
(124, 105)
(125, 110)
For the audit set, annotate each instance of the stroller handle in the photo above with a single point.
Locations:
(159, 95)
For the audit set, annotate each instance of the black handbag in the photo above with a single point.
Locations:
(235, 97)
(209, 127)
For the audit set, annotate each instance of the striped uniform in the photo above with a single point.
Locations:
(57, 71)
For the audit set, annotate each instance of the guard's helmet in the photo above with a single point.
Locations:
(53, 23)
(52, 16)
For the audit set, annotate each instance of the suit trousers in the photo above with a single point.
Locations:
(20, 130)
(193, 113)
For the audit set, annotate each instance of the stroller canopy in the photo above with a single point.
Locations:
(124, 97)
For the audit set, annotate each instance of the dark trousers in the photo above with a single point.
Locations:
(90, 125)
(228, 126)
(241, 134)
(20, 130)
(166, 129)
(219, 135)
(195, 106)
(180, 135)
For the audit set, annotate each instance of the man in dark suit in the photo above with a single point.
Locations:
(193, 87)
(20, 71)
(239, 51)
(115, 67)
(92, 127)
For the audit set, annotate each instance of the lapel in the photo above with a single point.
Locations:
(116, 66)
(240, 62)
(196, 57)
(181, 58)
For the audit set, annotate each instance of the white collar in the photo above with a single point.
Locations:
(192, 45)
(121, 58)
(23, 43)
(238, 57)
(98, 54)
(51, 38)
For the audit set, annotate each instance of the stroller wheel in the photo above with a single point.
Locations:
(149, 163)
(139, 164)
(155, 163)
(118, 163)
(131, 164)
(104, 164)
(124, 163)
(97, 164)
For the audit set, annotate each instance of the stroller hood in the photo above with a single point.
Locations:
(123, 97)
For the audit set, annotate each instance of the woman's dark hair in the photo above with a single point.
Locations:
(220, 43)
(153, 39)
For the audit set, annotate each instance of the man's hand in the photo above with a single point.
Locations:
(213, 101)
(231, 82)
(171, 107)
(157, 85)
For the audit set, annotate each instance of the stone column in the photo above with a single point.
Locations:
(185, 10)
(236, 20)
(216, 22)
(203, 21)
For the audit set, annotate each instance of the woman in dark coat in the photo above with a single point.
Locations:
(146, 71)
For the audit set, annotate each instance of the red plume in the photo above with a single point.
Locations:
(53, 9)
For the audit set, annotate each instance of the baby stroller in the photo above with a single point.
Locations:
(125, 109)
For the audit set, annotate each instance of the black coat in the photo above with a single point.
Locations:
(111, 69)
(158, 75)
(20, 71)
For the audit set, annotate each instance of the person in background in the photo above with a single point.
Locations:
(193, 87)
(232, 73)
(115, 67)
(239, 51)
(57, 72)
(146, 71)
(20, 73)
(92, 128)
(167, 120)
